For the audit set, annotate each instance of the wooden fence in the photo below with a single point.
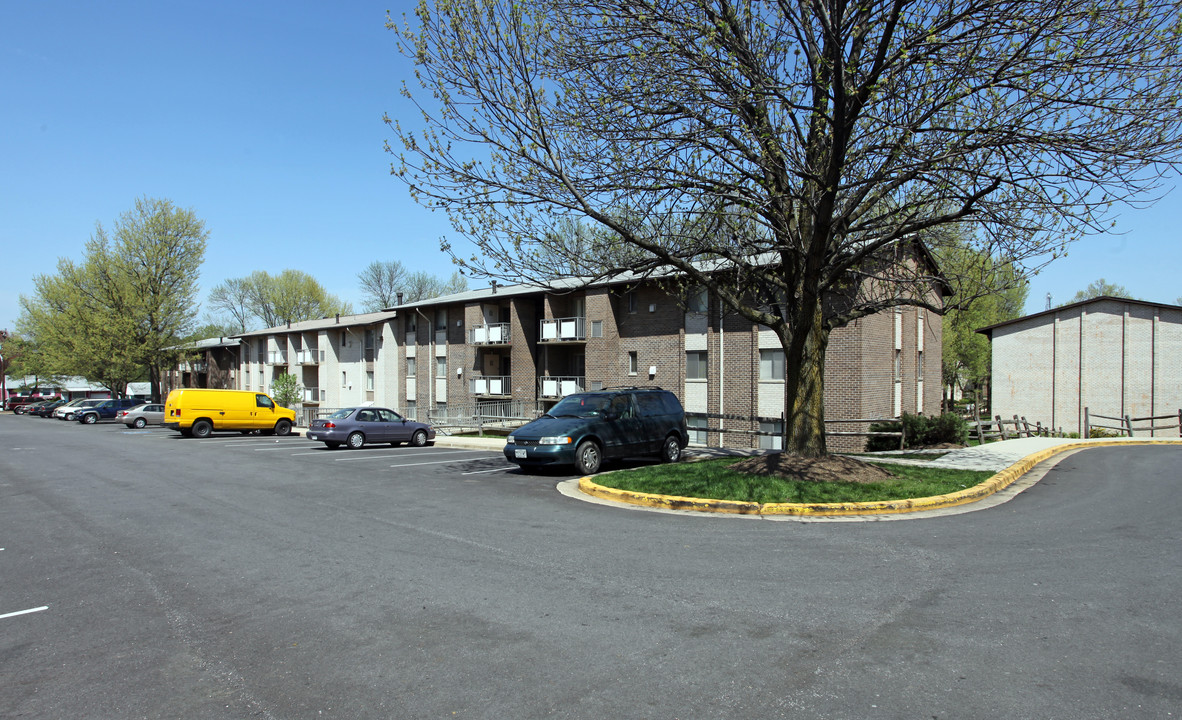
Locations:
(1018, 427)
(1126, 425)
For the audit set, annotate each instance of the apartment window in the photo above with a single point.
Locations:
(344, 378)
(369, 380)
(441, 409)
(632, 302)
(412, 323)
(633, 363)
(771, 364)
(323, 394)
(698, 300)
(412, 411)
(441, 320)
(596, 328)
(697, 425)
(410, 367)
(441, 367)
(919, 366)
(695, 365)
(898, 366)
(344, 339)
(596, 385)
(771, 442)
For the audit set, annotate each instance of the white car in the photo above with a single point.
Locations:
(66, 412)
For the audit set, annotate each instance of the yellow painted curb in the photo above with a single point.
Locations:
(998, 482)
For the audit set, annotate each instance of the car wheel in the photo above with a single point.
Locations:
(671, 450)
(283, 427)
(202, 429)
(588, 458)
(332, 444)
(90, 419)
(419, 439)
(140, 422)
(355, 440)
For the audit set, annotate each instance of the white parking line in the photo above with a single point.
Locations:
(397, 454)
(436, 462)
(500, 469)
(24, 612)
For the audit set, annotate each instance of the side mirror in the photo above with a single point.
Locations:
(611, 415)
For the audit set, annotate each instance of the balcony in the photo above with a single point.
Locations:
(276, 357)
(555, 386)
(488, 385)
(494, 334)
(308, 357)
(311, 395)
(556, 330)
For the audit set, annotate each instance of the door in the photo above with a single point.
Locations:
(396, 426)
(625, 434)
(370, 423)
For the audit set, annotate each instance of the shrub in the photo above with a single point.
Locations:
(1099, 432)
(920, 430)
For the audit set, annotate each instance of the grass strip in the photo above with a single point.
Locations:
(715, 480)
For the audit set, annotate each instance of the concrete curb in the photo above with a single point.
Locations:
(990, 486)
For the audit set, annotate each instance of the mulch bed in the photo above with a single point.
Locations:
(832, 468)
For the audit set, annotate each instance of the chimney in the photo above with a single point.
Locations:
(398, 298)
(338, 318)
(494, 287)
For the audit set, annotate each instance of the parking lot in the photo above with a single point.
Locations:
(148, 575)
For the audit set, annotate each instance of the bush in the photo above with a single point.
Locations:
(1099, 432)
(920, 430)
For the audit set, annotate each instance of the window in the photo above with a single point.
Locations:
(412, 412)
(412, 323)
(919, 366)
(441, 409)
(369, 380)
(596, 384)
(771, 364)
(772, 442)
(898, 366)
(410, 367)
(263, 401)
(697, 425)
(698, 300)
(633, 362)
(596, 328)
(344, 338)
(632, 301)
(441, 320)
(695, 365)
(441, 367)
(344, 379)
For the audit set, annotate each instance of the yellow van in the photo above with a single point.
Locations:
(198, 412)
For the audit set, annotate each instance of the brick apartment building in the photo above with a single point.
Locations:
(1115, 356)
(523, 347)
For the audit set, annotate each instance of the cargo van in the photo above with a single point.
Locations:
(198, 412)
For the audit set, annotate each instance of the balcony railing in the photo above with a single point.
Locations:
(308, 356)
(572, 329)
(490, 385)
(494, 334)
(311, 394)
(275, 357)
(553, 386)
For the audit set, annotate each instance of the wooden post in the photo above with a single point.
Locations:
(1001, 427)
(1129, 424)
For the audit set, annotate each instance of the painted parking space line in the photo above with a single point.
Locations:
(499, 469)
(433, 462)
(395, 454)
(24, 612)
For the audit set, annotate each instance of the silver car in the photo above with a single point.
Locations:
(66, 412)
(141, 415)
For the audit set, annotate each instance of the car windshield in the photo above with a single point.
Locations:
(581, 406)
(341, 414)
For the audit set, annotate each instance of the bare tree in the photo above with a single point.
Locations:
(380, 284)
(805, 147)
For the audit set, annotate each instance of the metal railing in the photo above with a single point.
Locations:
(553, 386)
(496, 415)
(276, 358)
(560, 329)
(308, 356)
(491, 334)
(490, 385)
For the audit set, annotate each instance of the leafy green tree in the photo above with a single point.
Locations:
(290, 296)
(286, 390)
(1101, 288)
(118, 316)
(837, 134)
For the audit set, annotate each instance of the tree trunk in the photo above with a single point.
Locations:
(804, 385)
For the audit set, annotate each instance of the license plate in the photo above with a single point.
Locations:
(520, 453)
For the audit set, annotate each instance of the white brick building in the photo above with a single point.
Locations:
(1115, 356)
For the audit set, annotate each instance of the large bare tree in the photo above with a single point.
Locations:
(803, 146)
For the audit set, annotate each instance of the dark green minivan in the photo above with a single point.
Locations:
(587, 428)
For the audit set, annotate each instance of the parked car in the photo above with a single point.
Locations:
(105, 410)
(66, 412)
(197, 412)
(19, 405)
(141, 415)
(586, 428)
(356, 426)
(46, 409)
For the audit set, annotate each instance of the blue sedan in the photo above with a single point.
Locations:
(356, 426)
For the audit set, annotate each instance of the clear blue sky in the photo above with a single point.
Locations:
(265, 119)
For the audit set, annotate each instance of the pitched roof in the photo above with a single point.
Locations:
(988, 330)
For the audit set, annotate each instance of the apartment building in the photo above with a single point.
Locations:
(523, 347)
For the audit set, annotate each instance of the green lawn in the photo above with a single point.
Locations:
(713, 479)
